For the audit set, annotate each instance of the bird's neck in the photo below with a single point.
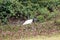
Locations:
(33, 20)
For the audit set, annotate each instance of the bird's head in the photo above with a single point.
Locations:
(35, 19)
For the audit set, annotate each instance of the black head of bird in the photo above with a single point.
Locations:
(35, 19)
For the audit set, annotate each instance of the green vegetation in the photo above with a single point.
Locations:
(27, 8)
(46, 11)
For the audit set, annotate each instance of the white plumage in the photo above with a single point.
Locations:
(28, 22)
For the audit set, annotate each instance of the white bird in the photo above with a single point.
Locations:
(28, 22)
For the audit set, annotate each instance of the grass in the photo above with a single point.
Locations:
(54, 37)
(44, 38)
(36, 31)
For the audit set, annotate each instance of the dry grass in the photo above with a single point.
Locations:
(44, 38)
(30, 32)
(54, 37)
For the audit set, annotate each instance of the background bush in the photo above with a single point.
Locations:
(42, 9)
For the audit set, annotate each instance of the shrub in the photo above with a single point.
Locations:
(50, 16)
(41, 18)
(10, 8)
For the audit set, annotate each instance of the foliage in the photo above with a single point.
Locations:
(26, 8)
(41, 18)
